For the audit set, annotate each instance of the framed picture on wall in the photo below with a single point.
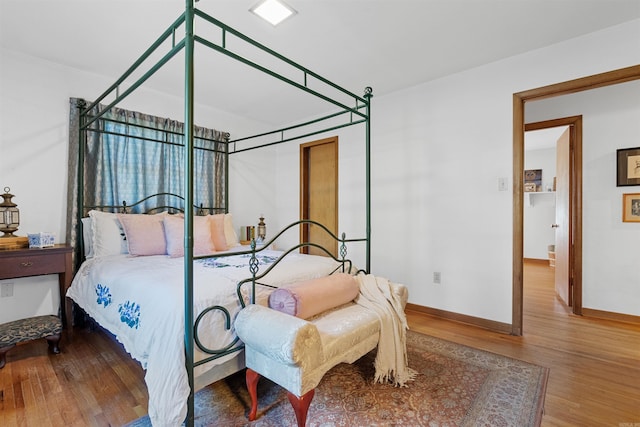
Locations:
(628, 162)
(631, 207)
(533, 180)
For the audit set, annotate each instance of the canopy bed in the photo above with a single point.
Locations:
(173, 307)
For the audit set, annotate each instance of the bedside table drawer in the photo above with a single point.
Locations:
(31, 265)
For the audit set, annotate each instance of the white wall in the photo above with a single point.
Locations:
(251, 188)
(437, 152)
(611, 259)
(439, 149)
(540, 213)
(351, 198)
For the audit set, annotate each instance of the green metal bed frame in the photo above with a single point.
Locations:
(349, 115)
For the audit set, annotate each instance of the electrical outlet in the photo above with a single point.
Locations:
(437, 277)
(6, 289)
(503, 184)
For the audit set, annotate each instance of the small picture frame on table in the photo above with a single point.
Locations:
(628, 166)
(631, 207)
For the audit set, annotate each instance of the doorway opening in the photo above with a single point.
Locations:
(319, 194)
(519, 99)
(552, 215)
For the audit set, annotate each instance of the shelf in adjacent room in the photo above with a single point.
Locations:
(530, 196)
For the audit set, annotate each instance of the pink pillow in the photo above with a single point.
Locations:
(144, 233)
(216, 222)
(311, 297)
(174, 235)
(230, 231)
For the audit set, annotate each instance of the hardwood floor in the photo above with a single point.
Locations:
(594, 378)
(92, 382)
(595, 364)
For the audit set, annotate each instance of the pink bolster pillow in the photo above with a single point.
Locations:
(311, 297)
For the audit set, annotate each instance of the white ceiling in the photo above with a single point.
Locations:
(386, 44)
(542, 139)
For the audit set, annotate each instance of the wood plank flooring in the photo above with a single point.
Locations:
(594, 379)
(594, 364)
(92, 382)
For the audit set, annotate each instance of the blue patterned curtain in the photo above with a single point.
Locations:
(131, 155)
(127, 163)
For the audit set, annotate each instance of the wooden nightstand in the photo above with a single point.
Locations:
(15, 263)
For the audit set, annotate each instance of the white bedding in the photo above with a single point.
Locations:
(140, 301)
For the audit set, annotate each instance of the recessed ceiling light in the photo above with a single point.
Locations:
(273, 11)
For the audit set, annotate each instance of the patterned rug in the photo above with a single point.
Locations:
(456, 386)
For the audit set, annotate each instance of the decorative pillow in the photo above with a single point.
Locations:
(174, 236)
(311, 297)
(230, 232)
(145, 234)
(216, 222)
(106, 234)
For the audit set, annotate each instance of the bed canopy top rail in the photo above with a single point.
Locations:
(281, 132)
(305, 72)
(359, 101)
(161, 141)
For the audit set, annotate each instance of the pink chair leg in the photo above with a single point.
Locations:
(301, 405)
(252, 385)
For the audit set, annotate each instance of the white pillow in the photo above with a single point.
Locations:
(107, 234)
(230, 232)
(87, 238)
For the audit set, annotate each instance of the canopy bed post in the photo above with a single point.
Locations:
(368, 93)
(81, 105)
(227, 135)
(188, 207)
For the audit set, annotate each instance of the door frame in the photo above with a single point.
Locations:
(575, 202)
(519, 99)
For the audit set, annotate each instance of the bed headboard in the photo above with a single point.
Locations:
(155, 203)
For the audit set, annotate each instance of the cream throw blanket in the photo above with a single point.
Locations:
(391, 361)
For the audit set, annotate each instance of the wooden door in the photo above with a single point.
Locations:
(563, 214)
(319, 194)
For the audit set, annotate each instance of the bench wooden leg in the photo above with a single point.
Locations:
(3, 354)
(301, 405)
(252, 385)
(53, 341)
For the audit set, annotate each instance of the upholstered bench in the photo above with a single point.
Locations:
(11, 333)
(296, 353)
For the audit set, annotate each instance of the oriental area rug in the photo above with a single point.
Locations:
(456, 386)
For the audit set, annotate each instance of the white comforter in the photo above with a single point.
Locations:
(140, 301)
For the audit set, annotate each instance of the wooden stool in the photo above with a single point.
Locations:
(32, 328)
